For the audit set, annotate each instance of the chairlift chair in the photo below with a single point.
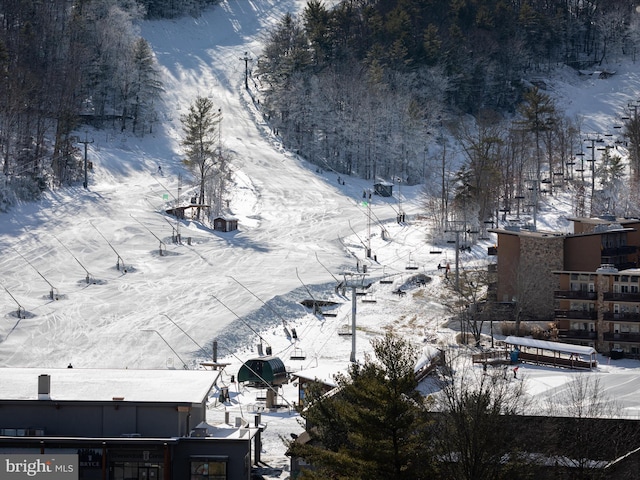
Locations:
(345, 330)
(297, 354)
(385, 279)
(369, 297)
(411, 265)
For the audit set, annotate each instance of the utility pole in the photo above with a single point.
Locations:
(246, 59)
(86, 142)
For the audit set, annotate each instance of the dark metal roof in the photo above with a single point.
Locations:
(270, 370)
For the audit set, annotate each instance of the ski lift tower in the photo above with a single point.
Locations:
(457, 230)
(367, 201)
(353, 281)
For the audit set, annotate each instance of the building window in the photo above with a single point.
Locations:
(135, 470)
(208, 469)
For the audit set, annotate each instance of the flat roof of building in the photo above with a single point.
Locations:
(99, 385)
(525, 232)
(603, 220)
(553, 346)
(627, 271)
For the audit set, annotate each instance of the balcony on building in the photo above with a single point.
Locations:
(577, 334)
(627, 337)
(622, 316)
(576, 314)
(622, 297)
(575, 294)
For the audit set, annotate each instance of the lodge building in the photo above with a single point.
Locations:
(123, 424)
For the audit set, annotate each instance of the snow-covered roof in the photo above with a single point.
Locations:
(79, 384)
(428, 353)
(553, 346)
(322, 374)
(227, 431)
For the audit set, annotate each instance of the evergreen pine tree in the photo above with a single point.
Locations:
(146, 85)
(375, 426)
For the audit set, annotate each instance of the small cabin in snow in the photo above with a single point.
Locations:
(384, 189)
(222, 224)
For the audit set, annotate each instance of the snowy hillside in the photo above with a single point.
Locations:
(299, 230)
(288, 216)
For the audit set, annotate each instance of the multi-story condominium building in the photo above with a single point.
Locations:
(560, 277)
(600, 309)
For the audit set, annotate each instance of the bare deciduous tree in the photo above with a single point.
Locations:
(586, 431)
(474, 443)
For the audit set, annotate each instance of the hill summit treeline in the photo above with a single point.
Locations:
(365, 87)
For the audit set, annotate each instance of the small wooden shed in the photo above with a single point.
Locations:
(263, 370)
(223, 224)
(384, 189)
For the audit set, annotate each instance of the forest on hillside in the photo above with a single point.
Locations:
(375, 87)
(65, 63)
